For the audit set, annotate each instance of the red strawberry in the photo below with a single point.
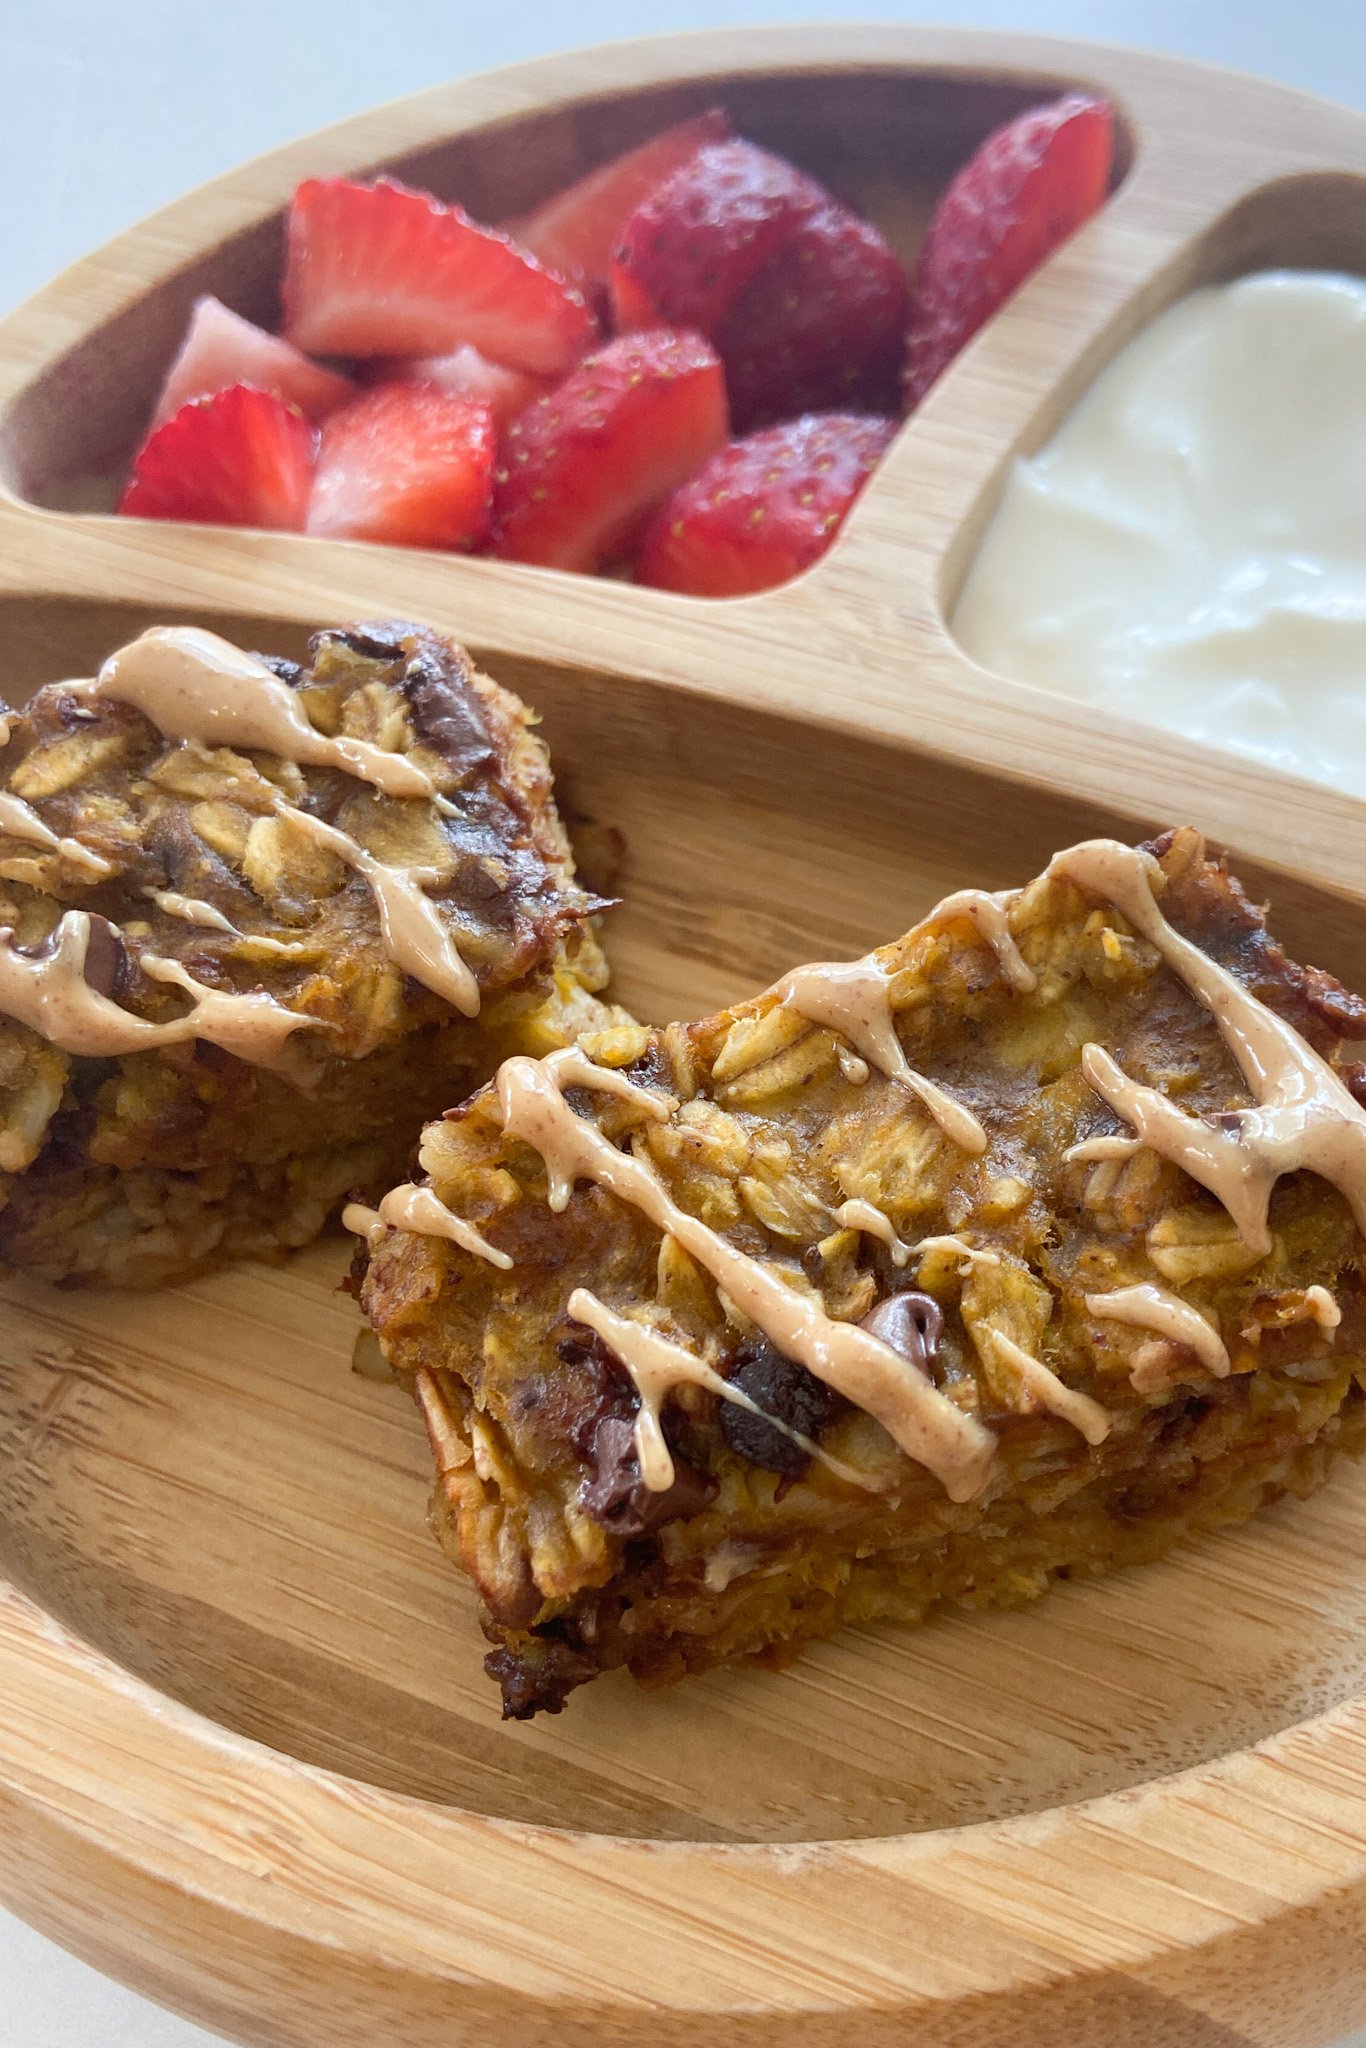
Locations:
(469, 375)
(763, 509)
(630, 306)
(221, 348)
(1029, 186)
(583, 467)
(821, 325)
(377, 270)
(576, 231)
(239, 458)
(694, 244)
(408, 464)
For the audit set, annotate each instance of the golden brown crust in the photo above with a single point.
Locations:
(580, 1572)
(189, 821)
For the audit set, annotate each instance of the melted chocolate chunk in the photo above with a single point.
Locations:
(445, 711)
(909, 1323)
(600, 1386)
(787, 1392)
(106, 958)
(291, 672)
(371, 641)
(539, 1678)
(618, 1497)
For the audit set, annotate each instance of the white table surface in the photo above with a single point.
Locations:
(113, 107)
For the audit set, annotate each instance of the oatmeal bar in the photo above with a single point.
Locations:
(1028, 1246)
(260, 920)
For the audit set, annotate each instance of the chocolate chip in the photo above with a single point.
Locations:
(787, 1392)
(618, 1497)
(909, 1323)
(106, 959)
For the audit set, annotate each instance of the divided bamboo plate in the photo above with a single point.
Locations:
(248, 1759)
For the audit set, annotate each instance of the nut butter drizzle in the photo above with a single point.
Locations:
(191, 910)
(194, 910)
(193, 686)
(1322, 1307)
(990, 914)
(853, 998)
(1302, 1118)
(421, 1211)
(424, 1214)
(20, 821)
(1045, 1390)
(864, 1216)
(48, 992)
(1041, 1384)
(656, 1366)
(410, 925)
(1149, 1307)
(926, 1424)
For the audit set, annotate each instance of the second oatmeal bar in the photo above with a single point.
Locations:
(999, 1256)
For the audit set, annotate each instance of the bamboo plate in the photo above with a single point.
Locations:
(248, 1760)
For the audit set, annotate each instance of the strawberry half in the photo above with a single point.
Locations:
(692, 246)
(377, 270)
(240, 458)
(576, 231)
(820, 327)
(221, 348)
(582, 468)
(1029, 186)
(763, 509)
(408, 464)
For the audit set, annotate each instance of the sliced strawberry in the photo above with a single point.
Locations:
(240, 458)
(1028, 187)
(408, 464)
(821, 326)
(377, 270)
(694, 244)
(221, 348)
(468, 375)
(629, 305)
(582, 468)
(576, 231)
(763, 509)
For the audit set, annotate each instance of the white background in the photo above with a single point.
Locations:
(112, 107)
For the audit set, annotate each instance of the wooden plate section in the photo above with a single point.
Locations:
(247, 1757)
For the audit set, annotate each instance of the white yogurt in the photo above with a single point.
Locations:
(1190, 548)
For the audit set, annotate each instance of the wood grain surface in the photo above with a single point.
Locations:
(248, 1759)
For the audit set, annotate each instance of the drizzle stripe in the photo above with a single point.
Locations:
(925, 1423)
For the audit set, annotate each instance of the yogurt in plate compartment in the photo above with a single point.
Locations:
(1190, 548)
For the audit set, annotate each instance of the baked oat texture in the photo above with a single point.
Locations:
(757, 1547)
(134, 1169)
